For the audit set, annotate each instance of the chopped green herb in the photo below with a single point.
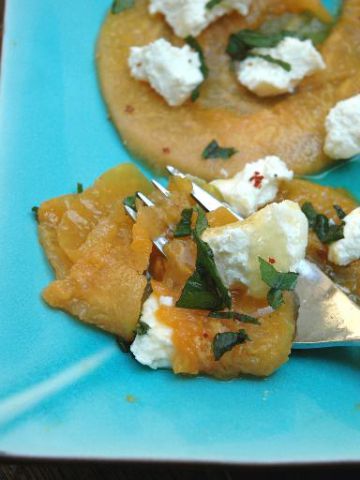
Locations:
(195, 45)
(242, 42)
(277, 281)
(121, 5)
(79, 188)
(302, 25)
(204, 290)
(326, 231)
(35, 211)
(268, 58)
(310, 213)
(212, 3)
(142, 328)
(123, 344)
(339, 212)
(224, 342)
(130, 201)
(183, 228)
(195, 94)
(240, 317)
(213, 150)
(201, 221)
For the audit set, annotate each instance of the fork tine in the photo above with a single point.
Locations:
(131, 212)
(145, 199)
(161, 189)
(205, 199)
(159, 242)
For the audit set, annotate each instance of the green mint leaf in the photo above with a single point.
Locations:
(142, 328)
(213, 150)
(302, 25)
(35, 211)
(195, 94)
(339, 212)
(79, 188)
(310, 213)
(205, 289)
(275, 298)
(240, 317)
(275, 279)
(212, 3)
(320, 224)
(194, 44)
(201, 221)
(268, 58)
(242, 42)
(130, 201)
(123, 344)
(224, 342)
(183, 228)
(121, 5)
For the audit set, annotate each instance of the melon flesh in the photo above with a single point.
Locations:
(290, 126)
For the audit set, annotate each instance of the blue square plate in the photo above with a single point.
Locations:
(65, 389)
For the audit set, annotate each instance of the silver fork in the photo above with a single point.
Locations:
(327, 317)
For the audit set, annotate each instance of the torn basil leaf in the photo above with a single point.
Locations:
(213, 150)
(310, 213)
(240, 317)
(130, 201)
(201, 221)
(268, 58)
(339, 212)
(240, 43)
(183, 228)
(205, 289)
(212, 3)
(121, 5)
(224, 342)
(195, 45)
(79, 188)
(195, 94)
(142, 328)
(302, 25)
(277, 281)
(326, 231)
(35, 211)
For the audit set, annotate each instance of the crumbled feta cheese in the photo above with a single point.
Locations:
(171, 71)
(190, 17)
(278, 233)
(155, 348)
(343, 129)
(347, 250)
(268, 79)
(255, 186)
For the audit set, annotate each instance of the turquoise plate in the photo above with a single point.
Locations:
(64, 387)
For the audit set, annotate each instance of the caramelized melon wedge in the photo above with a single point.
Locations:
(66, 221)
(291, 126)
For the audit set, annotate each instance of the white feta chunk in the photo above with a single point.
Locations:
(255, 186)
(343, 129)
(171, 71)
(278, 233)
(267, 79)
(347, 250)
(190, 17)
(154, 348)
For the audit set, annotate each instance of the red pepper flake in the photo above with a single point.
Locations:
(272, 260)
(257, 178)
(205, 335)
(129, 109)
(166, 150)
